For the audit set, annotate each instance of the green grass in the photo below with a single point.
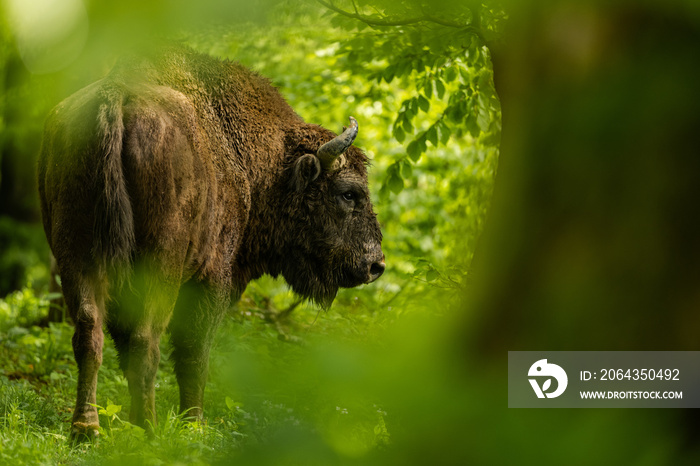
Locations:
(257, 394)
(382, 378)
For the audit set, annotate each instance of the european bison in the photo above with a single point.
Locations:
(169, 185)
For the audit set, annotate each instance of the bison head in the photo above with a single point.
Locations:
(336, 239)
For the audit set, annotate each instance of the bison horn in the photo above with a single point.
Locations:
(330, 151)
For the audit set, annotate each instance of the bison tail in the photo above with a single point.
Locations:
(114, 220)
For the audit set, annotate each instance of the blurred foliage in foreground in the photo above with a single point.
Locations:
(592, 243)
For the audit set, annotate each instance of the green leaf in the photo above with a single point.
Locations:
(445, 133)
(406, 169)
(428, 88)
(492, 138)
(409, 113)
(475, 57)
(404, 67)
(414, 107)
(393, 168)
(464, 73)
(484, 116)
(399, 133)
(384, 192)
(413, 150)
(432, 135)
(440, 88)
(389, 73)
(432, 275)
(111, 410)
(472, 125)
(424, 104)
(450, 74)
(407, 125)
(484, 83)
(395, 182)
(454, 114)
(421, 143)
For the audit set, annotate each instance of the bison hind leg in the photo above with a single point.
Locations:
(85, 298)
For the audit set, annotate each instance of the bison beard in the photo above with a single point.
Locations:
(168, 186)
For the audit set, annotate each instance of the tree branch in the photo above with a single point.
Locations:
(388, 22)
(405, 21)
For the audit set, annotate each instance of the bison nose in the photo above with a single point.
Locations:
(376, 270)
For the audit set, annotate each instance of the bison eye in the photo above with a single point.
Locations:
(349, 196)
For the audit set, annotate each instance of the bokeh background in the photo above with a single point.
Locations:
(536, 176)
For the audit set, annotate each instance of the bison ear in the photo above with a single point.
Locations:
(306, 169)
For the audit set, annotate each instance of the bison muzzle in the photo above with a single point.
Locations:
(168, 186)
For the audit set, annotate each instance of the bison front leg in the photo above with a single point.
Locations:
(86, 307)
(143, 357)
(191, 368)
(197, 315)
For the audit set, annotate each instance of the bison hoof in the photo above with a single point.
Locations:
(81, 432)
